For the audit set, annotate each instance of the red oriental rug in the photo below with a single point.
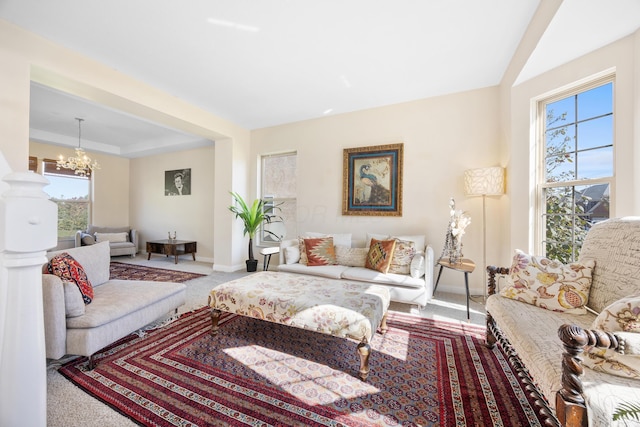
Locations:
(121, 270)
(423, 373)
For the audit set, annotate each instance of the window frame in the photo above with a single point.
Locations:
(49, 168)
(268, 199)
(540, 184)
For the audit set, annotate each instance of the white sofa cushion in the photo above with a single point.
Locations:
(367, 275)
(328, 271)
(291, 254)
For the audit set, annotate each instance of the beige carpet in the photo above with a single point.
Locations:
(68, 406)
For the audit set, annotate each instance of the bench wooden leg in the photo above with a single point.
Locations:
(215, 316)
(364, 350)
(383, 324)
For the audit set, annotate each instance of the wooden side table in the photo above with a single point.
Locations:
(464, 265)
(172, 247)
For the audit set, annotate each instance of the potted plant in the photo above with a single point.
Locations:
(252, 218)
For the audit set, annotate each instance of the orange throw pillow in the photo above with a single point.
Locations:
(380, 255)
(320, 251)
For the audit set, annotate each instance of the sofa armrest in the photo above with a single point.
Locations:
(429, 262)
(78, 241)
(570, 403)
(55, 322)
(491, 277)
(133, 233)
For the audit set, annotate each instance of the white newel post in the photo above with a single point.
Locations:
(28, 220)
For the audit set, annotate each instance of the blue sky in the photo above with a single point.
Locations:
(66, 187)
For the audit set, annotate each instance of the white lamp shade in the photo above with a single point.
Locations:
(484, 182)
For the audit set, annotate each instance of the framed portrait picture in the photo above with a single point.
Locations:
(177, 182)
(372, 180)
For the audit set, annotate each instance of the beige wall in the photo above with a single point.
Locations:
(191, 216)
(621, 56)
(442, 137)
(26, 57)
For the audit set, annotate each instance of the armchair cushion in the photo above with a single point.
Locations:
(622, 318)
(112, 237)
(87, 239)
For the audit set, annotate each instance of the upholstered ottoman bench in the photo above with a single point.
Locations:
(335, 307)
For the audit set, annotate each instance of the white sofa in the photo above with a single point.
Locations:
(119, 307)
(403, 287)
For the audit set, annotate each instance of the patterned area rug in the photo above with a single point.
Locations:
(120, 270)
(423, 373)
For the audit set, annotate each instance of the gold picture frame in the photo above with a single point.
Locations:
(372, 180)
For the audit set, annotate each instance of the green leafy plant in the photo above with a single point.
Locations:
(627, 411)
(253, 217)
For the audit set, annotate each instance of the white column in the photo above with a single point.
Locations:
(28, 220)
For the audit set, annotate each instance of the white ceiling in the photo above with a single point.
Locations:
(262, 63)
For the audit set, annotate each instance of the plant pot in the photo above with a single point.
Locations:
(252, 265)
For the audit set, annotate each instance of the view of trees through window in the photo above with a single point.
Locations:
(578, 168)
(279, 189)
(71, 193)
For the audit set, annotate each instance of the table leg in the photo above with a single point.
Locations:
(437, 280)
(148, 255)
(466, 285)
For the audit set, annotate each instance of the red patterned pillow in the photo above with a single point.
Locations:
(320, 251)
(67, 268)
(380, 255)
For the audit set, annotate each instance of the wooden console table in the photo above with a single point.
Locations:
(172, 247)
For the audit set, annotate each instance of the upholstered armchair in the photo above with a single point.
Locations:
(122, 240)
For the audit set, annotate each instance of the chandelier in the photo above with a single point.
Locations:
(81, 163)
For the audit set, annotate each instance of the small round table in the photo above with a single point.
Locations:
(466, 266)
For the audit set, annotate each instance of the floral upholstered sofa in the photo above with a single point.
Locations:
(408, 275)
(575, 329)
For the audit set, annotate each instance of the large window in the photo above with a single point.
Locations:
(278, 186)
(72, 195)
(576, 167)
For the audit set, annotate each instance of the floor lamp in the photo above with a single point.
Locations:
(484, 182)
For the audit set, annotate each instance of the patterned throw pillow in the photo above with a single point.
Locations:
(320, 251)
(380, 255)
(549, 284)
(67, 268)
(402, 256)
(351, 257)
(303, 251)
(622, 318)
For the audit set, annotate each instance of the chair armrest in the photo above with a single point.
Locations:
(491, 277)
(55, 321)
(78, 241)
(134, 238)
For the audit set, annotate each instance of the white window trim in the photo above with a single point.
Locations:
(538, 138)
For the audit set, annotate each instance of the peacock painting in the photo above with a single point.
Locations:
(372, 180)
(369, 188)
